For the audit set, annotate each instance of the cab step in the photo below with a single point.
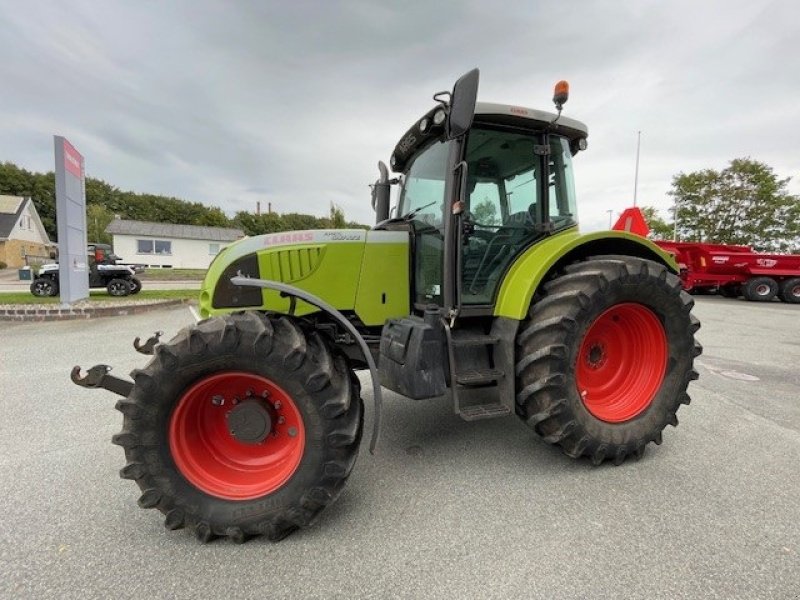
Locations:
(483, 411)
(478, 376)
(474, 339)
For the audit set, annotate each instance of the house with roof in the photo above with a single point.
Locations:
(23, 238)
(165, 245)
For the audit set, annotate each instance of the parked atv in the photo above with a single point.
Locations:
(104, 272)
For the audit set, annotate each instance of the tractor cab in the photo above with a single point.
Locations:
(474, 202)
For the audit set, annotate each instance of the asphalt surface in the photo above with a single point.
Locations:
(445, 509)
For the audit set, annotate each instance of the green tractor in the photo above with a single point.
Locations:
(477, 287)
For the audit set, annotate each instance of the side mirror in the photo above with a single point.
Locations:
(462, 104)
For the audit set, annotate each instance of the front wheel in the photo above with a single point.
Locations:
(135, 285)
(241, 426)
(118, 287)
(44, 287)
(605, 358)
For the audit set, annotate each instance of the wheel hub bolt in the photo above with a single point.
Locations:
(277, 405)
(217, 400)
(292, 431)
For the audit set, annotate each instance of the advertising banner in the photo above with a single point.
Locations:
(73, 270)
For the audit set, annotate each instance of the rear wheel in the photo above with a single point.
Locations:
(605, 358)
(241, 426)
(760, 289)
(790, 290)
(118, 287)
(44, 287)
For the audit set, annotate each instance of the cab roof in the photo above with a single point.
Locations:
(530, 118)
(487, 113)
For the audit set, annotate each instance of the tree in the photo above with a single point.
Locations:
(485, 213)
(745, 203)
(97, 219)
(659, 229)
(336, 220)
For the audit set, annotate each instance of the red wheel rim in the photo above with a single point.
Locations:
(763, 289)
(621, 362)
(212, 459)
(795, 291)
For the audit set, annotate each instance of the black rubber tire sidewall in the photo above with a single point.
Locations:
(321, 385)
(660, 299)
(548, 346)
(786, 290)
(752, 284)
(219, 510)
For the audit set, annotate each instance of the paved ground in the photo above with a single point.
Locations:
(445, 509)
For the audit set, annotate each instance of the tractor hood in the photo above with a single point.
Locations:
(366, 272)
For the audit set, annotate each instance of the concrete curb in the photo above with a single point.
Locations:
(56, 313)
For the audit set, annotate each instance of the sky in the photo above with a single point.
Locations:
(293, 103)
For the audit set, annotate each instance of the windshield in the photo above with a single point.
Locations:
(422, 203)
(423, 186)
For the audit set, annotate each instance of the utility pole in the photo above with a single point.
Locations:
(636, 176)
(610, 216)
(675, 218)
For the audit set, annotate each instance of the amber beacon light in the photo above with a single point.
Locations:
(561, 94)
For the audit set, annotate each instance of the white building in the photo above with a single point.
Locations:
(166, 245)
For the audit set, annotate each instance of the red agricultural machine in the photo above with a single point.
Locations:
(731, 271)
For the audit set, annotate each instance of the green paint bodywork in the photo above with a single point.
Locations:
(530, 268)
(368, 275)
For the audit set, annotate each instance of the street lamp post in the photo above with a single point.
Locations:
(675, 218)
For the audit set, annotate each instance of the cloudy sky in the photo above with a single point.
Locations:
(231, 102)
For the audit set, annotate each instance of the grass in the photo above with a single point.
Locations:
(172, 275)
(100, 296)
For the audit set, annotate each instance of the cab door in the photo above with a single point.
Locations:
(422, 203)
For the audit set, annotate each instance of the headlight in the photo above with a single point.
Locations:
(438, 117)
(424, 125)
(582, 144)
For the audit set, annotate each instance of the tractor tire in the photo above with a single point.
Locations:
(180, 426)
(135, 285)
(790, 290)
(605, 357)
(44, 287)
(118, 287)
(760, 289)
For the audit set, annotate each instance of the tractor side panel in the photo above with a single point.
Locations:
(326, 263)
(532, 267)
(384, 288)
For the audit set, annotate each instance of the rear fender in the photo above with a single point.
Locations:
(539, 262)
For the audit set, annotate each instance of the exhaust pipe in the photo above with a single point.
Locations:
(380, 194)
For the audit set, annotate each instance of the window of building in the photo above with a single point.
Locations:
(154, 247)
(213, 249)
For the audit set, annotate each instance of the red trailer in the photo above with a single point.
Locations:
(729, 270)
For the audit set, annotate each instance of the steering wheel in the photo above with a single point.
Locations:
(481, 234)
